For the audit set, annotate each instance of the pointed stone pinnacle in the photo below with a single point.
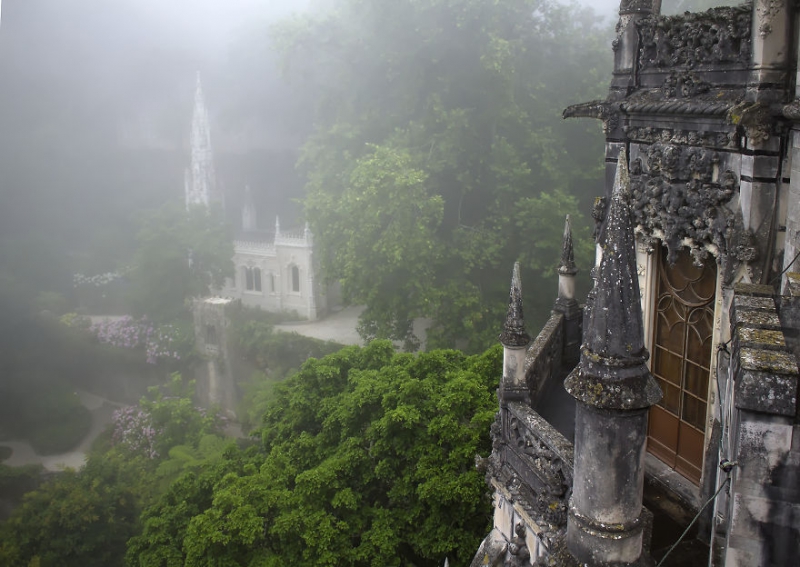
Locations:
(613, 351)
(567, 265)
(277, 225)
(514, 334)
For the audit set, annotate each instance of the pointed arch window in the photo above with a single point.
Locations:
(295, 279)
(252, 279)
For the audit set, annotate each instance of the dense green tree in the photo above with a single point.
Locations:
(439, 133)
(181, 254)
(77, 519)
(85, 517)
(368, 459)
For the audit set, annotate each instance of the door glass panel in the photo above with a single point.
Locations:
(681, 363)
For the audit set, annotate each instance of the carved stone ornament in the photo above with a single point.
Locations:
(676, 196)
(550, 504)
(720, 36)
(650, 135)
(519, 556)
(606, 111)
(684, 84)
(754, 118)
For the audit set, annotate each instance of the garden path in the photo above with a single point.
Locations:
(101, 410)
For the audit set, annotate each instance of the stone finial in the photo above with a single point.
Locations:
(567, 265)
(514, 334)
(277, 225)
(613, 351)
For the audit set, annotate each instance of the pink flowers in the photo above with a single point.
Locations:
(165, 342)
(133, 428)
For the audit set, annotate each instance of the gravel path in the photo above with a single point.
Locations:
(339, 327)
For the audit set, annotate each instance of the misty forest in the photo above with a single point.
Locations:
(418, 144)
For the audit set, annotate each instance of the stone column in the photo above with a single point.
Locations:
(626, 45)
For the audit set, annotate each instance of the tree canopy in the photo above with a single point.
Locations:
(367, 458)
(181, 254)
(440, 147)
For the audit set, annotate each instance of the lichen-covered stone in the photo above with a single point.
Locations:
(760, 338)
(755, 290)
(758, 319)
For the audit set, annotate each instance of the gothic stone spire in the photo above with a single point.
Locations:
(567, 265)
(613, 349)
(201, 186)
(514, 334)
(613, 390)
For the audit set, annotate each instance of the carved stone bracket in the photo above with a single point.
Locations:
(677, 196)
(717, 36)
(606, 111)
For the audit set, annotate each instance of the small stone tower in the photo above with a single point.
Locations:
(614, 390)
(515, 341)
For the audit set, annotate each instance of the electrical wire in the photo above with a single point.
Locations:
(686, 531)
(786, 269)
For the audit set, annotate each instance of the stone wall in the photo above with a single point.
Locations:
(762, 519)
(214, 375)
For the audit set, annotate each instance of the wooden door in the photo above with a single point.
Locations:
(682, 337)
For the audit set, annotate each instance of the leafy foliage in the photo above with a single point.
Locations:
(181, 254)
(86, 517)
(439, 145)
(367, 459)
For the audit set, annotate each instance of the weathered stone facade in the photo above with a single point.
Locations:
(703, 112)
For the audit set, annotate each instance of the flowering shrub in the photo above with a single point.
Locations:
(167, 342)
(160, 343)
(133, 428)
(161, 422)
(98, 280)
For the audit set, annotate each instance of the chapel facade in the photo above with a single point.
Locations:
(274, 270)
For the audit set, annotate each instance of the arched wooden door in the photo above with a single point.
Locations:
(682, 337)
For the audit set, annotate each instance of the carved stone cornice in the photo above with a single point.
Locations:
(720, 36)
(709, 139)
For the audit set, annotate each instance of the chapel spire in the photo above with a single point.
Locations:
(201, 185)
